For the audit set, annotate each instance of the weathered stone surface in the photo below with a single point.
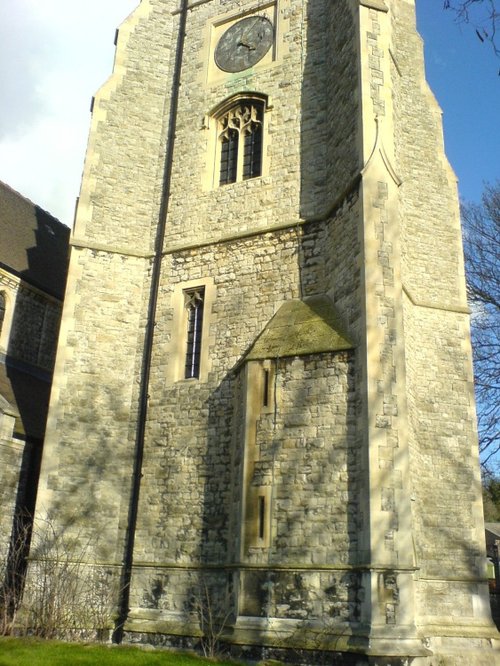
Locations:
(33, 265)
(316, 494)
(299, 328)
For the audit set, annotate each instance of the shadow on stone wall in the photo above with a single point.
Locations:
(26, 370)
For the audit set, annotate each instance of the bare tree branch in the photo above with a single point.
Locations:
(482, 15)
(482, 259)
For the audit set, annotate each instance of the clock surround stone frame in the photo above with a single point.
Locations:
(218, 26)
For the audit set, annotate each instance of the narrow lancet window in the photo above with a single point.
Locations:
(265, 395)
(262, 516)
(194, 300)
(3, 304)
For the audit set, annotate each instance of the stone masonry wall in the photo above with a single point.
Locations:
(314, 517)
(431, 254)
(252, 245)
(122, 183)
(34, 324)
(432, 261)
(309, 445)
(119, 210)
(297, 86)
(30, 334)
(92, 424)
(11, 453)
(307, 461)
(189, 432)
(331, 261)
(447, 510)
(444, 454)
(88, 455)
(343, 158)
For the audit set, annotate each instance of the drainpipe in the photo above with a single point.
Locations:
(126, 575)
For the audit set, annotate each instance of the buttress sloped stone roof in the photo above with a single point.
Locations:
(33, 243)
(301, 327)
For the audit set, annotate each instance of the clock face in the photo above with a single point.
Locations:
(244, 44)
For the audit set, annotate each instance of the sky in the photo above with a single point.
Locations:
(54, 55)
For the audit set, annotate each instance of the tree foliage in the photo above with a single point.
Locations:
(491, 498)
(482, 260)
(482, 15)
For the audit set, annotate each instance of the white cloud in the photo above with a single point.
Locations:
(54, 55)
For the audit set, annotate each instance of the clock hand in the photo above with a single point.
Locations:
(248, 46)
(249, 30)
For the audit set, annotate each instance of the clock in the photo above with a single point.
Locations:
(244, 44)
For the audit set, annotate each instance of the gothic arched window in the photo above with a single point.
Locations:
(240, 135)
(194, 303)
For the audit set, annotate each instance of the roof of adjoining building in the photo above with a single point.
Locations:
(33, 243)
(33, 247)
(494, 528)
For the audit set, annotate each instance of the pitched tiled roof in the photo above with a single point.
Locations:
(33, 243)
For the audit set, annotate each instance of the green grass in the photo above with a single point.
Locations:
(31, 652)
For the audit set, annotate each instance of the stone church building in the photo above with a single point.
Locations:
(263, 388)
(33, 267)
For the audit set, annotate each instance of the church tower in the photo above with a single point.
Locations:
(263, 405)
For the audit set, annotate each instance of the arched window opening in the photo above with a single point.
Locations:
(240, 133)
(194, 303)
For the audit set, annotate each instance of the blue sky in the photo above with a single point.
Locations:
(464, 76)
(49, 70)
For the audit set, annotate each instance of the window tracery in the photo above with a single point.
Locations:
(240, 134)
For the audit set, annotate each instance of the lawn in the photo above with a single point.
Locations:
(27, 652)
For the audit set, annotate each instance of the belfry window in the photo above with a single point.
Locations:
(240, 137)
(194, 303)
